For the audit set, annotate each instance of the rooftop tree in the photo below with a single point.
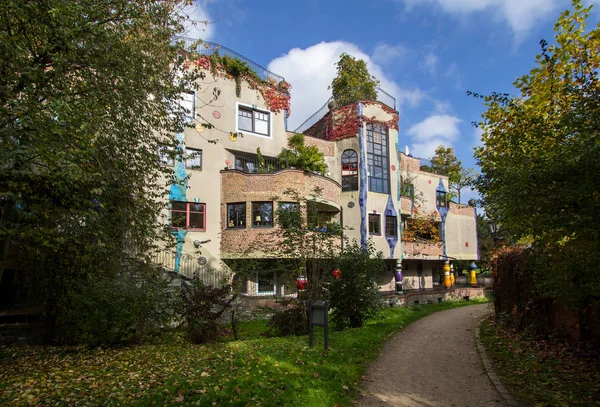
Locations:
(353, 81)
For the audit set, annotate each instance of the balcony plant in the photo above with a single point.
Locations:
(307, 158)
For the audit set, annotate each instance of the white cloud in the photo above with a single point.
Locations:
(430, 62)
(433, 131)
(385, 54)
(198, 22)
(477, 133)
(311, 70)
(521, 15)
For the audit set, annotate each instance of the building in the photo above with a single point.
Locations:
(232, 182)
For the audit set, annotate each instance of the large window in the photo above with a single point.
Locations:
(267, 282)
(262, 213)
(236, 215)
(377, 158)
(374, 224)
(254, 121)
(188, 215)
(441, 199)
(193, 159)
(349, 171)
(391, 226)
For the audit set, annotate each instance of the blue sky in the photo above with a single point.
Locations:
(427, 53)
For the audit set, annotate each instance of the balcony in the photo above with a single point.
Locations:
(285, 185)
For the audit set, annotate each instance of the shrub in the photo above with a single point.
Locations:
(354, 296)
(203, 307)
(130, 308)
(292, 320)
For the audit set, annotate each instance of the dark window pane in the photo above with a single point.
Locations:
(262, 213)
(178, 206)
(266, 282)
(178, 219)
(196, 220)
(236, 215)
(196, 207)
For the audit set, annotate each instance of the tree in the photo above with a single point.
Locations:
(540, 163)
(445, 162)
(89, 93)
(307, 158)
(353, 81)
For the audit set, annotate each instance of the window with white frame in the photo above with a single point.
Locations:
(254, 120)
(193, 159)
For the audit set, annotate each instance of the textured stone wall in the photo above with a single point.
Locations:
(410, 164)
(324, 146)
(459, 209)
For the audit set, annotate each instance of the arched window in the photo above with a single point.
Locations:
(349, 171)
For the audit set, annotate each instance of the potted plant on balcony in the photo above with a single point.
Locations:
(298, 155)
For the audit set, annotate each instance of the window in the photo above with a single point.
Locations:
(262, 213)
(165, 155)
(254, 121)
(349, 171)
(188, 215)
(440, 199)
(193, 159)
(236, 215)
(188, 105)
(266, 283)
(377, 158)
(374, 224)
(391, 226)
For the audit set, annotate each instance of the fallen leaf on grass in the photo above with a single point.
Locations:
(238, 389)
(345, 387)
(315, 375)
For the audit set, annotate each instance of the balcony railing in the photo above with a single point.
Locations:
(209, 48)
(252, 165)
(382, 96)
(191, 268)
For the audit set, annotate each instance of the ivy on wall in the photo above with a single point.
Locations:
(275, 94)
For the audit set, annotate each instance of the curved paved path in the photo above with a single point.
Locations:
(432, 363)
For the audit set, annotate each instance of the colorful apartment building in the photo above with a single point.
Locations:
(232, 182)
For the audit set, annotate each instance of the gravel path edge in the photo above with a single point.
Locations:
(489, 369)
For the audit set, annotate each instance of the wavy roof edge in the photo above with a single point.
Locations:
(209, 48)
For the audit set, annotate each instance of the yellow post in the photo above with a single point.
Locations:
(447, 282)
(452, 278)
(473, 275)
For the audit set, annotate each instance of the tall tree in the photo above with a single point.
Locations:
(540, 161)
(445, 162)
(353, 81)
(89, 93)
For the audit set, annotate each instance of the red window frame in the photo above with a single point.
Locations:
(187, 213)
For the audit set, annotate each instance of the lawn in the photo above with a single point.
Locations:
(542, 373)
(254, 371)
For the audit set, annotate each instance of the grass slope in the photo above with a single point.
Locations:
(541, 373)
(254, 371)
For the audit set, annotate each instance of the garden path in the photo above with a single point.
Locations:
(432, 363)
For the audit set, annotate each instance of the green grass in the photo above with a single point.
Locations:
(540, 373)
(253, 371)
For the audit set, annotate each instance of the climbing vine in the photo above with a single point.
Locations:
(276, 94)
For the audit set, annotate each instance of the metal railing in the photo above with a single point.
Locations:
(191, 268)
(382, 96)
(209, 48)
(252, 165)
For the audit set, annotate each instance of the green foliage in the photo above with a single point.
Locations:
(202, 308)
(131, 308)
(444, 162)
(234, 67)
(353, 81)
(485, 242)
(276, 371)
(307, 158)
(89, 92)
(354, 297)
(540, 161)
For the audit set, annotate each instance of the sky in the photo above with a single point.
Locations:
(426, 53)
